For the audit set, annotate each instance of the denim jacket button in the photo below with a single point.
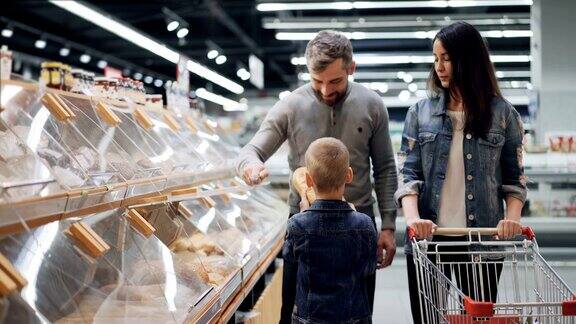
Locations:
(469, 156)
(468, 136)
(470, 196)
(469, 177)
(471, 217)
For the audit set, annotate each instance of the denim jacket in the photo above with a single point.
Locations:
(493, 165)
(334, 249)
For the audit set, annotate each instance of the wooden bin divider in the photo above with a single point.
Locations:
(191, 124)
(169, 120)
(107, 114)
(7, 285)
(64, 105)
(143, 119)
(55, 108)
(185, 191)
(208, 202)
(139, 223)
(88, 240)
(11, 271)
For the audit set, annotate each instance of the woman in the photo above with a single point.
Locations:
(461, 154)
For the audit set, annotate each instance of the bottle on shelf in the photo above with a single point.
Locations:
(5, 63)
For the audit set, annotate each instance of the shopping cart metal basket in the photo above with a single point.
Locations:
(472, 279)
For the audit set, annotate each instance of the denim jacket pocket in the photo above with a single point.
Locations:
(425, 137)
(427, 142)
(493, 140)
(490, 149)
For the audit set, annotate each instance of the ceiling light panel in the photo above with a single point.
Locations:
(145, 42)
(348, 5)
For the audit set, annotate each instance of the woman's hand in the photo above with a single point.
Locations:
(423, 228)
(508, 229)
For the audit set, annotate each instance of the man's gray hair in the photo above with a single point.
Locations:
(327, 47)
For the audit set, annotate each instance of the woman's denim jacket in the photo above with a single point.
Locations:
(492, 165)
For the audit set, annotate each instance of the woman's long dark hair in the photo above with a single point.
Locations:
(472, 75)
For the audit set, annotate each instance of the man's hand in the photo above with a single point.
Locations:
(386, 242)
(254, 174)
(507, 229)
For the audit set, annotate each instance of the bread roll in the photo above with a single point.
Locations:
(299, 183)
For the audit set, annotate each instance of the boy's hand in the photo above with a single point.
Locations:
(386, 242)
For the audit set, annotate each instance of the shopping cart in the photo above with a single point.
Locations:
(469, 279)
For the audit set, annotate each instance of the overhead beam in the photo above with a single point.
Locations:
(217, 11)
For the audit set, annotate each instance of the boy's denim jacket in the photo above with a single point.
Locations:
(493, 165)
(334, 249)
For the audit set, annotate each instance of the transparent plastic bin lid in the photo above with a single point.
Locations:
(33, 122)
(201, 142)
(189, 159)
(14, 309)
(147, 149)
(151, 271)
(194, 249)
(210, 221)
(278, 208)
(236, 214)
(126, 148)
(28, 119)
(82, 151)
(136, 280)
(255, 211)
(207, 130)
(22, 174)
(101, 138)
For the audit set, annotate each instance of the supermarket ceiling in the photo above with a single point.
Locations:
(388, 37)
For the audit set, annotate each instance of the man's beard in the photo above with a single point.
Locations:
(331, 102)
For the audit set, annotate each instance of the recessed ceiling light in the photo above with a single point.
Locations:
(221, 59)
(182, 32)
(212, 54)
(85, 58)
(41, 44)
(64, 51)
(173, 25)
(7, 32)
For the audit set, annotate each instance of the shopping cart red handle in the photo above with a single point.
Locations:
(488, 231)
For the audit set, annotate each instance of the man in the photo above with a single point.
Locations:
(331, 106)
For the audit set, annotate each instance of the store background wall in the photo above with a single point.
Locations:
(553, 51)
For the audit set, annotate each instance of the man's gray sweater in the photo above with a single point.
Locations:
(359, 120)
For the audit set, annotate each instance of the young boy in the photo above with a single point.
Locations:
(332, 246)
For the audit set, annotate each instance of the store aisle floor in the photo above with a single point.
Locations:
(391, 302)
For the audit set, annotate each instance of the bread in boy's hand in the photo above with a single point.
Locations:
(310, 195)
(299, 183)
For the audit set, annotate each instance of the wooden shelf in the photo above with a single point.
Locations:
(229, 309)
